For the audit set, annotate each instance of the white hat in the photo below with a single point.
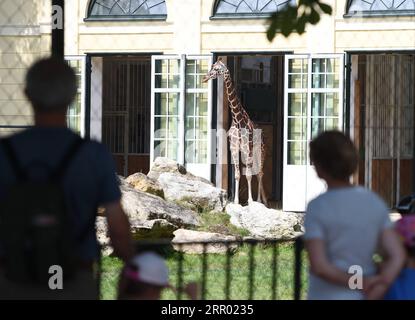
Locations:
(152, 269)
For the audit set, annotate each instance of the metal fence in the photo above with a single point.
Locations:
(279, 263)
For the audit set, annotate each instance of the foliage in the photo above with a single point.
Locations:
(295, 18)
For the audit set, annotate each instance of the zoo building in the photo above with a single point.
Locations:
(141, 65)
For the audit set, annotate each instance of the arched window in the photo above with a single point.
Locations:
(380, 7)
(248, 8)
(127, 9)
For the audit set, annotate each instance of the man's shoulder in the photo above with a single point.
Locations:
(96, 152)
(59, 140)
(96, 147)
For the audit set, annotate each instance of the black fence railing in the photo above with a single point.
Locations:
(278, 263)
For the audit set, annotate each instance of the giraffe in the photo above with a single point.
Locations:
(244, 136)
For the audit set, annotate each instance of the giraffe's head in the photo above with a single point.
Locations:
(218, 69)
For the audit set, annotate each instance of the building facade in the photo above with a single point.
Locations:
(140, 64)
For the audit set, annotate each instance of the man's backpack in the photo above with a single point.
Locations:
(35, 227)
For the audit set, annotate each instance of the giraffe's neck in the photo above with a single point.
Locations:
(234, 102)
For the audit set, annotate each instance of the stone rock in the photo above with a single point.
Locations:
(193, 192)
(183, 236)
(162, 165)
(252, 238)
(141, 207)
(262, 222)
(165, 165)
(185, 188)
(153, 229)
(141, 182)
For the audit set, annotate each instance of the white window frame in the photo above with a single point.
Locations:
(209, 94)
(181, 90)
(311, 185)
(154, 90)
(82, 88)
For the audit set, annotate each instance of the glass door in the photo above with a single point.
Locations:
(295, 132)
(312, 104)
(181, 112)
(198, 116)
(166, 108)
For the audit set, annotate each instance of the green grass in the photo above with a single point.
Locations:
(216, 274)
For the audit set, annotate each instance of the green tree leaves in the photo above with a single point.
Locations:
(295, 18)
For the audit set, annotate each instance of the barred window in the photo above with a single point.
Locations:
(127, 9)
(380, 7)
(248, 8)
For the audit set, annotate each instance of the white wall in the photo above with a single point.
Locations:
(96, 98)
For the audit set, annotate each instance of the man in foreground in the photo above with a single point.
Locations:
(51, 184)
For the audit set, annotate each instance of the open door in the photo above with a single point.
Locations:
(313, 103)
(166, 108)
(181, 112)
(125, 126)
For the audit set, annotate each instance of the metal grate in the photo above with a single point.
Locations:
(126, 105)
(389, 125)
(247, 280)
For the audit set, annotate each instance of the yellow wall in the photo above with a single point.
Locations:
(25, 35)
(189, 29)
(389, 33)
(23, 39)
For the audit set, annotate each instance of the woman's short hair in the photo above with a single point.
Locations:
(335, 154)
(50, 85)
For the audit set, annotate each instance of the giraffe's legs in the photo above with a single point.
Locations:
(249, 179)
(262, 190)
(259, 176)
(247, 158)
(234, 146)
(237, 178)
(258, 162)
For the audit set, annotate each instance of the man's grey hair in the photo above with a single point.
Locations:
(50, 85)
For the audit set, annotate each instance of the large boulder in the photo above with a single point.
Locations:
(161, 165)
(165, 165)
(153, 229)
(262, 222)
(194, 193)
(141, 182)
(189, 241)
(184, 188)
(141, 207)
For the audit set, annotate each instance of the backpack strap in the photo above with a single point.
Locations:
(60, 170)
(14, 162)
(57, 174)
